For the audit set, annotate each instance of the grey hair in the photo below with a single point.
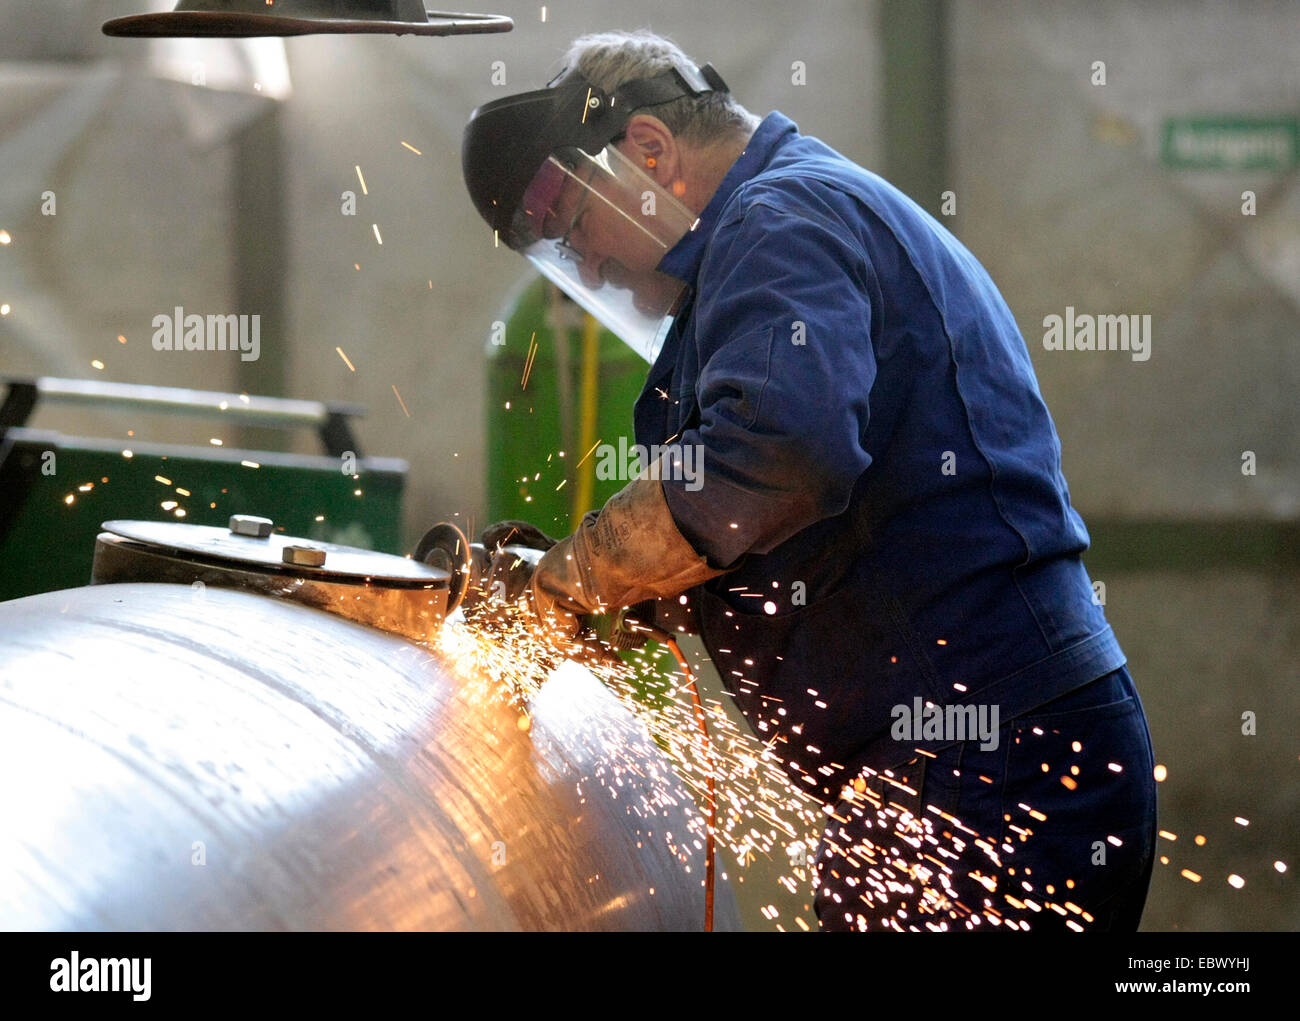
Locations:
(609, 59)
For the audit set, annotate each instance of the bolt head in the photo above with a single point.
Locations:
(246, 524)
(303, 556)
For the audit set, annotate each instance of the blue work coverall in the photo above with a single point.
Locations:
(883, 480)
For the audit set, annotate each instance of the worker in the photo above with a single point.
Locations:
(880, 548)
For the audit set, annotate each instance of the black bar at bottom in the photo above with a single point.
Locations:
(951, 971)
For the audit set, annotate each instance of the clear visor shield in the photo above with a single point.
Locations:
(596, 227)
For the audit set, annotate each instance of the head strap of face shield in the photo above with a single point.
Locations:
(664, 88)
(611, 112)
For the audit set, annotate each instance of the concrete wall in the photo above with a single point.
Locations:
(1062, 195)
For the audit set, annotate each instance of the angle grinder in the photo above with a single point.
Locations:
(486, 580)
(478, 575)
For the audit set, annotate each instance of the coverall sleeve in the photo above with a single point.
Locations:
(783, 324)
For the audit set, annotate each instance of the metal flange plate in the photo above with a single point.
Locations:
(218, 546)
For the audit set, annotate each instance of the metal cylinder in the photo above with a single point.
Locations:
(187, 757)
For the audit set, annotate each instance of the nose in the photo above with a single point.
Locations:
(589, 271)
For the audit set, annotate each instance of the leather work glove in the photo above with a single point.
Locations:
(629, 551)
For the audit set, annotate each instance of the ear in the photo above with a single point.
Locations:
(651, 146)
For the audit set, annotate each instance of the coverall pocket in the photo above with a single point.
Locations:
(734, 378)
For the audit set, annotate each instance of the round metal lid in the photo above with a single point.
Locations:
(268, 554)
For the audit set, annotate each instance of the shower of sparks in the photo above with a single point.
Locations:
(413, 148)
(375, 228)
(98, 364)
(364, 190)
(400, 401)
(346, 360)
(914, 872)
(759, 812)
(5, 237)
(528, 361)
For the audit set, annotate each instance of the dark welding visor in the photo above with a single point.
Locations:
(509, 141)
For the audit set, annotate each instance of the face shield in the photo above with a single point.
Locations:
(546, 173)
(596, 227)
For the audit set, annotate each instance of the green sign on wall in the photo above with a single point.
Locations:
(1230, 143)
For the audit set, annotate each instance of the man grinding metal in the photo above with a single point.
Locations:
(883, 542)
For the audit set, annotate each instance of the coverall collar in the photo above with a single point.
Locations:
(684, 258)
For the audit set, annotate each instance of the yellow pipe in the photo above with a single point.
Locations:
(584, 489)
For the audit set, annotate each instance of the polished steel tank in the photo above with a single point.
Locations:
(194, 757)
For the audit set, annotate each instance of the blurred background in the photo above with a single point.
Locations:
(1103, 156)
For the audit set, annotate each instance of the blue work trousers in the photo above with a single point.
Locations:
(1056, 825)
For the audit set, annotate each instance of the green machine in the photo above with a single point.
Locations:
(56, 490)
(559, 385)
(559, 381)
